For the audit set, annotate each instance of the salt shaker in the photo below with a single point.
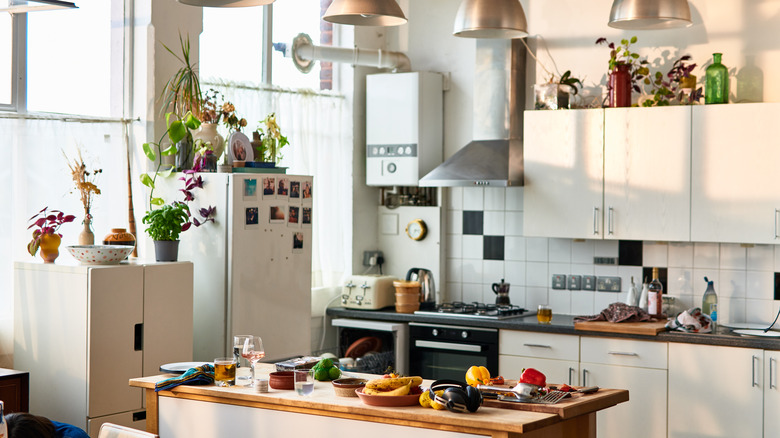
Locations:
(632, 299)
(643, 297)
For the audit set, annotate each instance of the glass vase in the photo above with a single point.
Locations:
(716, 86)
(620, 87)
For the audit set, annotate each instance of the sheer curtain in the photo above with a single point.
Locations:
(35, 174)
(317, 126)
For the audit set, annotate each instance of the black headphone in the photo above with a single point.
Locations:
(457, 396)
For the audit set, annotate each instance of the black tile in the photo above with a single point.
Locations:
(647, 273)
(630, 252)
(777, 285)
(493, 248)
(473, 222)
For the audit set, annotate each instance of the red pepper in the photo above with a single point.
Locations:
(533, 377)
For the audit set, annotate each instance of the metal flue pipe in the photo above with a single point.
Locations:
(304, 53)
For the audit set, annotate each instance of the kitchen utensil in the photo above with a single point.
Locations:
(427, 287)
(551, 397)
(502, 293)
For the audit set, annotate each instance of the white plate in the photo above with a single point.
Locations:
(239, 148)
(180, 367)
(750, 332)
(748, 325)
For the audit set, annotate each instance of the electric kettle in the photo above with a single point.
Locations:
(427, 287)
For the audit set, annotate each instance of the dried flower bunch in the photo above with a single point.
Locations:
(85, 182)
(230, 118)
(211, 110)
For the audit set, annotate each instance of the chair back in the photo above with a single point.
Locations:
(111, 430)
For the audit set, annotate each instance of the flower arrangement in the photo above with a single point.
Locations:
(85, 182)
(270, 140)
(622, 55)
(46, 223)
(230, 119)
(211, 110)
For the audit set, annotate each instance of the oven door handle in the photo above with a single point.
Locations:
(448, 346)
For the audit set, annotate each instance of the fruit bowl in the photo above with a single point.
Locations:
(345, 387)
(100, 254)
(388, 400)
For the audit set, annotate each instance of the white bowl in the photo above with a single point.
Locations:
(100, 254)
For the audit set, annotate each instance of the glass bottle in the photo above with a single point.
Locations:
(709, 303)
(620, 86)
(716, 89)
(654, 295)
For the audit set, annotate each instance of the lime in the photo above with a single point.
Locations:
(325, 363)
(334, 373)
(321, 374)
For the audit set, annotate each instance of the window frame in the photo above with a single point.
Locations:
(18, 65)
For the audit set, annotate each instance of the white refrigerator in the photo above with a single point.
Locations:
(253, 265)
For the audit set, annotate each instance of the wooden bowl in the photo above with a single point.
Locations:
(388, 400)
(346, 387)
(281, 380)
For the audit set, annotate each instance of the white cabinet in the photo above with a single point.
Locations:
(734, 173)
(716, 392)
(83, 331)
(638, 366)
(557, 356)
(617, 173)
(771, 393)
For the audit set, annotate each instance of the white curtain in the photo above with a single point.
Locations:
(318, 128)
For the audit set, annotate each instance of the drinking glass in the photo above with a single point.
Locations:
(544, 314)
(253, 351)
(225, 371)
(239, 341)
(304, 382)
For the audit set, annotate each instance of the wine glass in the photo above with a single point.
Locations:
(239, 341)
(253, 351)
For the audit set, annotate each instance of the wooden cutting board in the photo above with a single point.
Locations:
(577, 404)
(636, 328)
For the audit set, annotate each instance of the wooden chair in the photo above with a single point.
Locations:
(110, 430)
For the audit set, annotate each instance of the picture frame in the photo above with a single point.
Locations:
(239, 148)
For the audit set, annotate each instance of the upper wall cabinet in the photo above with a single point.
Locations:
(735, 177)
(618, 173)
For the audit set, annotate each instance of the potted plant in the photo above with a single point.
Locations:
(45, 236)
(556, 93)
(626, 70)
(677, 86)
(165, 225)
(268, 140)
(210, 114)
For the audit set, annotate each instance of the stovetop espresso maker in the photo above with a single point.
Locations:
(502, 293)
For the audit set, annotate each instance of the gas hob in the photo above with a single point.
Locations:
(475, 310)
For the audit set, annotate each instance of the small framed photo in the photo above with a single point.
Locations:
(276, 214)
(269, 186)
(251, 218)
(240, 148)
(283, 189)
(293, 216)
(295, 190)
(306, 217)
(250, 188)
(297, 243)
(307, 191)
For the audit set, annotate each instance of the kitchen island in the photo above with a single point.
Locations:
(209, 410)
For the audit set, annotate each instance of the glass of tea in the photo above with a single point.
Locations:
(544, 314)
(225, 371)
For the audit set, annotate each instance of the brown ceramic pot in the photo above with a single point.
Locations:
(119, 236)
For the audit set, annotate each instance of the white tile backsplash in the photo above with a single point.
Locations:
(472, 271)
(731, 310)
(560, 302)
(760, 311)
(760, 285)
(706, 255)
(493, 224)
(495, 199)
(680, 281)
(605, 248)
(536, 249)
(513, 221)
(583, 303)
(492, 271)
(473, 247)
(536, 274)
(655, 254)
(455, 245)
(473, 292)
(514, 248)
(733, 256)
(454, 270)
(732, 284)
(601, 300)
(454, 198)
(680, 255)
(473, 198)
(560, 250)
(455, 222)
(761, 258)
(514, 274)
(582, 251)
(514, 199)
(535, 296)
(454, 292)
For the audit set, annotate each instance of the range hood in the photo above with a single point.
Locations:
(495, 157)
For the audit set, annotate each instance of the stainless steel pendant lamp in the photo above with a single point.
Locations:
(226, 3)
(650, 14)
(365, 13)
(491, 19)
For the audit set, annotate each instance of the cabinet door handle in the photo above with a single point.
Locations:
(537, 345)
(755, 359)
(584, 377)
(571, 372)
(596, 221)
(610, 229)
(775, 222)
(138, 337)
(623, 353)
(772, 373)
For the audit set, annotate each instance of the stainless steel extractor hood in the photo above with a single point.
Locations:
(495, 156)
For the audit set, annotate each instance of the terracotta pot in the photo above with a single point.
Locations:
(50, 247)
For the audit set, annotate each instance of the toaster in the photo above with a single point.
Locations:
(368, 292)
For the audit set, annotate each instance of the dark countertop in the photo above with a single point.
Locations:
(562, 324)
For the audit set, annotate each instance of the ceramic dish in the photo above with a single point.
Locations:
(388, 400)
(346, 387)
(750, 332)
(747, 325)
(281, 380)
(179, 367)
(99, 254)
(239, 148)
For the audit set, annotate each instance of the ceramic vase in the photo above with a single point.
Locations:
(50, 247)
(86, 236)
(620, 87)
(716, 88)
(119, 236)
(207, 133)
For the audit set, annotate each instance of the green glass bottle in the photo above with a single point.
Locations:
(717, 83)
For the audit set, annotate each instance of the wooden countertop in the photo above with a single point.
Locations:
(324, 402)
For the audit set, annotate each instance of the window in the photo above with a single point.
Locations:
(6, 60)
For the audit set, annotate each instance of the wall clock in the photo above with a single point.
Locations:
(416, 229)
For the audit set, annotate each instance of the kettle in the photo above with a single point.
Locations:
(427, 287)
(502, 293)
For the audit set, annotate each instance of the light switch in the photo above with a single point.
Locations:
(575, 282)
(588, 282)
(558, 281)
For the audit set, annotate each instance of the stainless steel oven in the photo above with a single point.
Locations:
(438, 351)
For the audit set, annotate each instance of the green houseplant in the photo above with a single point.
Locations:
(268, 140)
(164, 226)
(626, 71)
(670, 88)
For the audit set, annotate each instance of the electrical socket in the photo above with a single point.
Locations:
(370, 257)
